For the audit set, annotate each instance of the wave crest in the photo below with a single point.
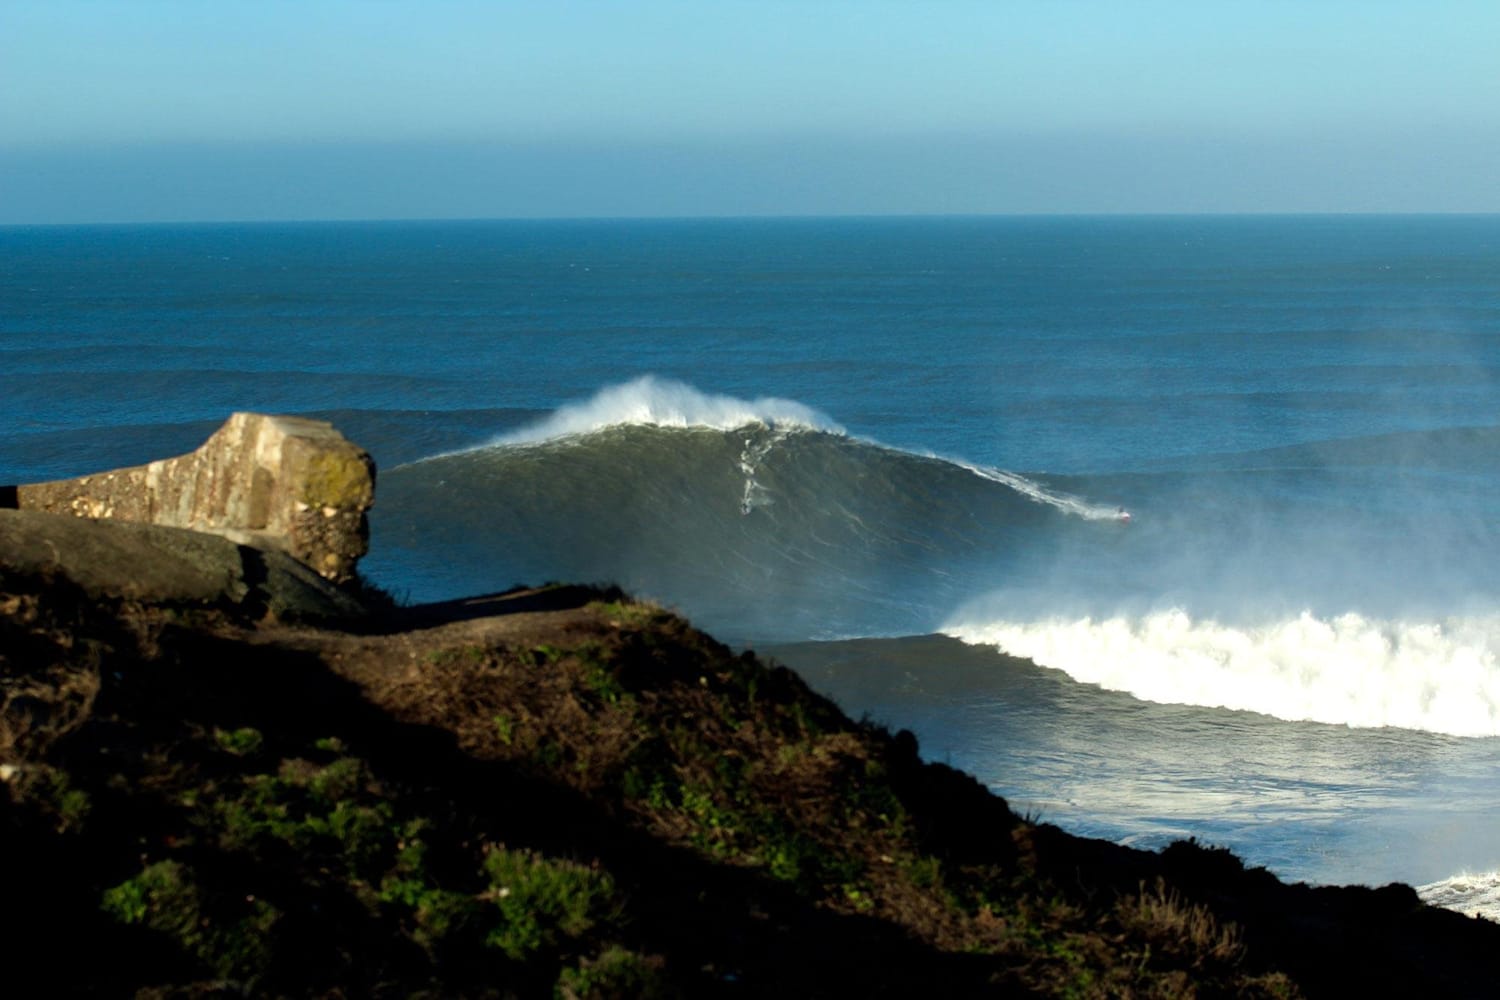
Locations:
(1346, 670)
(657, 402)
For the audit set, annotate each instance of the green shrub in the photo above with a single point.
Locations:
(70, 805)
(615, 972)
(539, 901)
(505, 728)
(166, 898)
(240, 742)
(311, 810)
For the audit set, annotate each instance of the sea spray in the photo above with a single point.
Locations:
(650, 401)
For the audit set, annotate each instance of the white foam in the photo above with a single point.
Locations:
(1349, 670)
(657, 402)
(754, 494)
(1065, 502)
(1472, 895)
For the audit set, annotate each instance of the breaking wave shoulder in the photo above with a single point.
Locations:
(1440, 676)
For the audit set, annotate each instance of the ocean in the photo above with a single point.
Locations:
(1161, 527)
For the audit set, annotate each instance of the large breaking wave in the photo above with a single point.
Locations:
(760, 518)
(1257, 588)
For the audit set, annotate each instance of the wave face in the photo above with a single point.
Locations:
(759, 518)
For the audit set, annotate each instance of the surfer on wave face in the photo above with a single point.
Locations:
(1123, 516)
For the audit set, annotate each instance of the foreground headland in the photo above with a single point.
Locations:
(225, 774)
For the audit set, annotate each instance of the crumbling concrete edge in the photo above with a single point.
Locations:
(284, 483)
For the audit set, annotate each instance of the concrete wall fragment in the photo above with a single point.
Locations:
(285, 483)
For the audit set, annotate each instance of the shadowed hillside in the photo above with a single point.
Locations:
(563, 792)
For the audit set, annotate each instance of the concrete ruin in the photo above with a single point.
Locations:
(286, 484)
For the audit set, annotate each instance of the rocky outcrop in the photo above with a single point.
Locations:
(272, 482)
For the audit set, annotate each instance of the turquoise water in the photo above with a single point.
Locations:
(854, 429)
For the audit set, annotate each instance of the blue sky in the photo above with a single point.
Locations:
(171, 110)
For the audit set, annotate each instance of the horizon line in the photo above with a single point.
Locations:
(758, 217)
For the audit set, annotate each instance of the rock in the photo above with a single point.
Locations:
(160, 565)
(285, 483)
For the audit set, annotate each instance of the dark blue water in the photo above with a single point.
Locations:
(1040, 344)
(827, 429)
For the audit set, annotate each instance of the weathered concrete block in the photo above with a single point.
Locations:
(284, 483)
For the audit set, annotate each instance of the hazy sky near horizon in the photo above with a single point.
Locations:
(176, 110)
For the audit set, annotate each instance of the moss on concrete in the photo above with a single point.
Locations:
(341, 478)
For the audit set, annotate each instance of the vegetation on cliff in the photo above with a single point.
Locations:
(563, 792)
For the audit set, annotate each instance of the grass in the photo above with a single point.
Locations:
(1170, 925)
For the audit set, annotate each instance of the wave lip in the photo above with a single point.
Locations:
(657, 402)
(1348, 670)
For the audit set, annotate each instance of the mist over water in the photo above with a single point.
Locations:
(1346, 592)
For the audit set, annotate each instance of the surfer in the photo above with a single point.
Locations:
(1123, 516)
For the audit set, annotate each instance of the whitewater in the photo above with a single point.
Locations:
(895, 454)
(1348, 670)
